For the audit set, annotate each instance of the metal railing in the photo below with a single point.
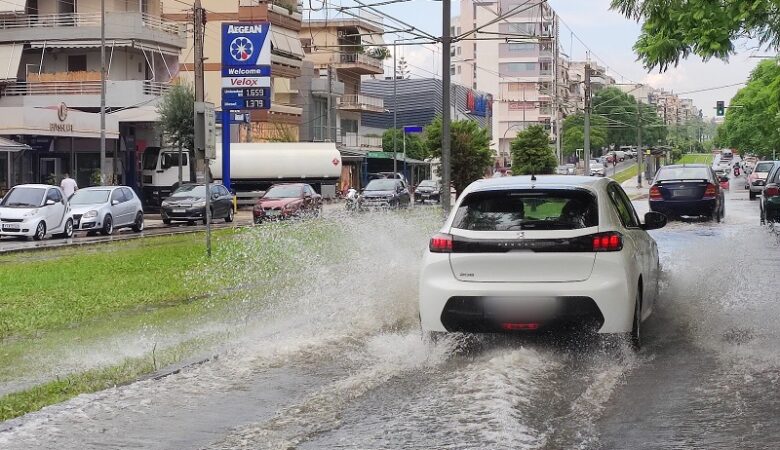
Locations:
(152, 88)
(354, 140)
(85, 19)
(358, 58)
(362, 102)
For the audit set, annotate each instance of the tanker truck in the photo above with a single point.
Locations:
(253, 168)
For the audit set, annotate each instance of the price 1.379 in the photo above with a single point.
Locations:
(255, 103)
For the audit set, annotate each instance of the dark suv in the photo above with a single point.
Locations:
(385, 193)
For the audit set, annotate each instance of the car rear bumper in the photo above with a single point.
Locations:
(604, 302)
(693, 208)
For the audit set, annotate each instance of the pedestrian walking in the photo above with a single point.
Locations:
(68, 186)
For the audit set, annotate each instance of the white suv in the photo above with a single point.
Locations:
(36, 211)
(523, 254)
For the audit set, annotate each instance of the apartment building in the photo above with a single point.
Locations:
(344, 51)
(282, 122)
(522, 68)
(599, 79)
(50, 86)
(671, 108)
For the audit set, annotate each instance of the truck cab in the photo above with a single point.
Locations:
(160, 173)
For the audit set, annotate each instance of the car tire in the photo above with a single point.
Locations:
(67, 232)
(108, 226)
(753, 195)
(230, 215)
(635, 337)
(40, 231)
(166, 221)
(138, 225)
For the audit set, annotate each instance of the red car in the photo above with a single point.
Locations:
(285, 201)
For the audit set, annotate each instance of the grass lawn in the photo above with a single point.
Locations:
(627, 174)
(695, 158)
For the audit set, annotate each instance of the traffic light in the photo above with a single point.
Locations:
(720, 108)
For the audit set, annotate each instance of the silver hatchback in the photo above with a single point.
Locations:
(106, 208)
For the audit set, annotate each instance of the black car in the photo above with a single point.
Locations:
(385, 193)
(770, 198)
(188, 204)
(689, 190)
(427, 190)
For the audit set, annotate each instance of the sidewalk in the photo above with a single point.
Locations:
(635, 192)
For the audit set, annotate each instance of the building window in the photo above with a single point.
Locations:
(518, 29)
(67, 6)
(474, 85)
(306, 44)
(518, 68)
(77, 63)
(458, 50)
(458, 69)
(452, 70)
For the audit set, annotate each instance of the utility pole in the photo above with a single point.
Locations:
(103, 178)
(200, 95)
(446, 42)
(586, 144)
(639, 152)
(328, 119)
(555, 105)
(395, 110)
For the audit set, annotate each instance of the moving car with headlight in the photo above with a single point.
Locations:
(105, 209)
(525, 254)
(188, 204)
(427, 190)
(384, 193)
(285, 201)
(36, 211)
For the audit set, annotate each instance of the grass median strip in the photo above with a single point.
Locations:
(625, 175)
(695, 158)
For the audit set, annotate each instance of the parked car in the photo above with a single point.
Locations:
(384, 193)
(597, 169)
(288, 200)
(690, 190)
(188, 204)
(757, 179)
(495, 266)
(770, 199)
(105, 209)
(428, 190)
(36, 211)
(561, 170)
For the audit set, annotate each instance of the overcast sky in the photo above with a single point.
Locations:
(610, 37)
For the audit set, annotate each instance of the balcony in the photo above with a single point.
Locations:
(82, 94)
(361, 103)
(83, 27)
(368, 142)
(358, 63)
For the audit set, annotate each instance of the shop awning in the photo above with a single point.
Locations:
(7, 145)
(10, 57)
(95, 43)
(13, 6)
(285, 44)
(398, 157)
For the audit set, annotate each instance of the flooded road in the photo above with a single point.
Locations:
(334, 359)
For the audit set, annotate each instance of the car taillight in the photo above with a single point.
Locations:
(772, 191)
(655, 193)
(711, 191)
(441, 243)
(607, 242)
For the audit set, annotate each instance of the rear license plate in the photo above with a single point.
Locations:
(11, 227)
(179, 211)
(683, 193)
(426, 195)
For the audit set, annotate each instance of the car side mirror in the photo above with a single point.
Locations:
(50, 202)
(653, 221)
(114, 202)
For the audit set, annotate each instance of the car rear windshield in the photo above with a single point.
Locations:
(510, 210)
(24, 197)
(90, 197)
(764, 167)
(683, 173)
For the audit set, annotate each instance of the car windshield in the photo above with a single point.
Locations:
(24, 197)
(508, 210)
(683, 173)
(381, 185)
(190, 190)
(428, 183)
(764, 166)
(90, 197)
(283, 192)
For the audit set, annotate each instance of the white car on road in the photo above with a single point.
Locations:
(524, 254)
(36, 211)
(107, 208)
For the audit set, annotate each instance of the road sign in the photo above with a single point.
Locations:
(235, 117)
(409, 129)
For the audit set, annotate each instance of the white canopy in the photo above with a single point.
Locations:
(10, 58)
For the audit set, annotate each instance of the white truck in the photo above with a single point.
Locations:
(253, 167)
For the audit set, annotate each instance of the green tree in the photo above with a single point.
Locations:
(753, 126)
(415, 147)
(532, 153)
(620, 113)
(470, 150)
(574, 133)
(674, 29)
(177, 118)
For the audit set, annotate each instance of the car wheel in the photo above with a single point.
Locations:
(230, 215)
(752, 195)
(108, 226)
(67, 232)
(636, 328)
(40, 231)
(167, 221)
(138, 225)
